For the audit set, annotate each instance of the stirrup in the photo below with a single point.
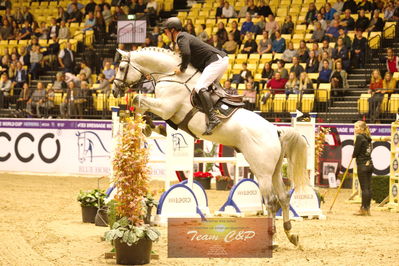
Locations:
(214, 121)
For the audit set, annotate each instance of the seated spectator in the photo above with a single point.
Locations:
(26, 31)
(72, 104)
(296, 67)
(63, 32)
(325, 73)
(260, 25)
(376, 23)
(12, 70)
(228, 11)
(100, 28)
(358, 52)
(21, 77)
(59, 85)
(325, 56)
(108, 72)
(365, 5)
(338, 6)
(288, 25)
(27, 15)
(36, 61)
(236, 32)
(332, 31)
(86, 95)
(289, 53)
(305, 84)
(50, 55)
(37, 100)
(276, 84)
(292, 85)
(50, 97)
(84, 69)
(105, 85)
(75, 3)
(252, 8)
(315, 49)
(264, 9)
(267, 73)
(362, 23)
(389, 11)
(388, 84)
(162, 43)
(265, 44)
(221, 32)
(243, 10)
(341, 54)
(90, 7)
(75, 15)
(66, 58)
(248, 25)
(351, 5)
(53, 29)
(311, 14)
(245, 73)
(203, 35)
(278, 45)
(215, 42)
(280, 69)
(6, 30)
(229, 89)
(24, 97)
(377, 95)
(90, 22)
(392, 61)
(318, 33)
(250, 45)
(249, 96)
(272, 26)
(62, 15)
(190, 29)
(320, 19)
(230, 46)
(329, 15)
(348, 22)
(325, 48)
(339, 80)
(154, 35)
(345, 38)
(5, 89)
(312, 64)
(303, 52)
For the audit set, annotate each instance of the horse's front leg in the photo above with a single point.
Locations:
(158, 106)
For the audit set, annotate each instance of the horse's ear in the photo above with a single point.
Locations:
(123, 53)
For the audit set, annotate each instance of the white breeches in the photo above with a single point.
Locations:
(213, 72)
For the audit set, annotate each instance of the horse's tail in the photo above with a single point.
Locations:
(295, 148)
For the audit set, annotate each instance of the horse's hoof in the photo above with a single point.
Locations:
(294, 239)
(162, 130)
(275, 245)
(147, 131)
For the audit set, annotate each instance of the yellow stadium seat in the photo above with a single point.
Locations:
(57, 98)
(363, 104)
(307, 103)
(389, 30)
(292, 102)
(323, 92)
(393, 106)
(279, 103)
(266, 58)
(266, 107)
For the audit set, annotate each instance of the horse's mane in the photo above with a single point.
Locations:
(156, 49)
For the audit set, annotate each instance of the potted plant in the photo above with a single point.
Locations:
(204, 178)
(131, 237)
(91, 201)
(223, 182)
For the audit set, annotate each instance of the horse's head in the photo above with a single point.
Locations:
(127, 74)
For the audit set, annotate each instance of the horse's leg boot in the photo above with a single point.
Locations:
(207, 106)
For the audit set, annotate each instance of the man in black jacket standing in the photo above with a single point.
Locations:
(207, 59)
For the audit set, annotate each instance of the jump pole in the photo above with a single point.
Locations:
(340, 185)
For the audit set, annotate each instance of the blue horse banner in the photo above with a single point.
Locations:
(55, 146)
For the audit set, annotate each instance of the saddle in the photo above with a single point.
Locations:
(225, 104)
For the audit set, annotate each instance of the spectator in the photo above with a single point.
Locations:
(50, 55)
(322, 11)
(341, 54)
(362, 23)
(322, 22)
(345, 38)
(36, 60)
(332, 31)
(190, 29)
(305, 84)
(50, 97)
(249, 96)
(139, 8)
(292, 85)
(289, 53)
(90, 22)
(245, 73)
(311, 14)
(348, 22)
(72, 104)
(359, 47)
(105, 86)
(329, 15)
(219, 9)
(396, 12)
(203, 35)
(260, 25)
(154, 35)
(303, 52)
(12, 70)
(59, 85)
(222, 33)
(377, 95)
(339, 80)
(5, 89)
(62, 15)
(388, 84)
(230, 46)
(296, 67)
(24, 97)
(252, 9)
(236, 32)
(267, 73)
(162, 43)
(318, 33)
(26, 31)
(228, 10)
(74, 3)
(87, 98)
(264, 9)
(84, 69)
(325, 73)
(272, 25)
(42, 33)
(27, 15)
(338, 6)
(280, 69)
(37, 100)
(64, 32)
(351, 5)
(229, 89)
(277, 84)
(250, 45)
(53, 29)
(376, 23)
(24, 57)
(108, 72)
(325, 48)
(90, 7)
(325, 56)
(288, 25)
(66, 58)
(265, 44)
(248, 25)
(100, 28)
(75, 15)
(243, 10)
(365, 5)
(6, 30)
(215, 42)
(312, 64)
(20, 78)
(392, 61)
(278, 45)
(389, 11)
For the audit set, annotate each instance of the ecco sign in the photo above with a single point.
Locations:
(29, 158)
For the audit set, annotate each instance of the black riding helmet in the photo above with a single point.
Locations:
(173, 23)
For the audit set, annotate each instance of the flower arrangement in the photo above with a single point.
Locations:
(201, 174)
(93, 198)
(320, 140)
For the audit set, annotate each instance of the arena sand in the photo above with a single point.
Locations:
(40, 224)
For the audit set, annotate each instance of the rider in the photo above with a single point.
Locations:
(207, 59)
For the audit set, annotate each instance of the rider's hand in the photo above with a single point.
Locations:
(177, 71)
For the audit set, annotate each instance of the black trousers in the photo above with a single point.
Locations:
(364, 174)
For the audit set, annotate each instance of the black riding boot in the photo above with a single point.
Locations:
(207, 106)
